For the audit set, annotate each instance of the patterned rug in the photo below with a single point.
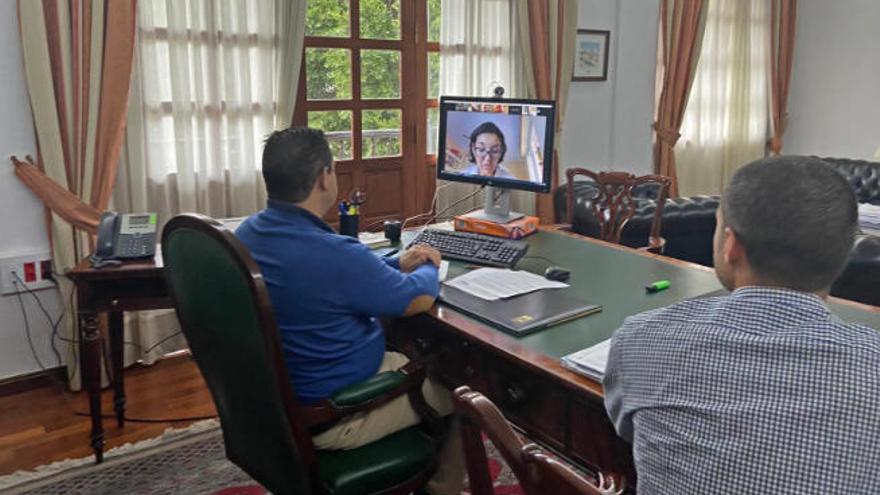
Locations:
(189, 460)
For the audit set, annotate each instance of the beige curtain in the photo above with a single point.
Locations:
(212, 79)
(726, 122)
(678, 49)
(548, 29)
(77, 62)
(479, 49)
(783, 22)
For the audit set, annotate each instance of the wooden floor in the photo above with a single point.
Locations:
(41, 425)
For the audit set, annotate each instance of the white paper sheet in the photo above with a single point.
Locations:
(590, 361)
(869, 216)
(499, 283)
(443, 270)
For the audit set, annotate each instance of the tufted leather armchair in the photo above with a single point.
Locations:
(689, 223)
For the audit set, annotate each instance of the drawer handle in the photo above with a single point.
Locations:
(423, 345)
(515, 394)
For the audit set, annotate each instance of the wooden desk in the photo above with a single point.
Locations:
(132, 286)
(523, 375)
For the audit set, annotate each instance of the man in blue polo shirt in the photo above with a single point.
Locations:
(327, 291)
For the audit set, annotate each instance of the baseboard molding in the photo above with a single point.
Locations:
(30, 381)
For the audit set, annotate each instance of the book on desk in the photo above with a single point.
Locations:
(523, 314)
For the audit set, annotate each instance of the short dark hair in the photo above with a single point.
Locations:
(487, 128)
(292, 160)
(796, 218)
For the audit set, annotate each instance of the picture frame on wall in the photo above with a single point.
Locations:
(591, 55)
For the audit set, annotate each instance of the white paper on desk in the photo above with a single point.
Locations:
(590, 361)
(869, 216)
(443, 270)
(499, 283)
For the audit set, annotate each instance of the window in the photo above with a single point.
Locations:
(369, 80)
(207, 76)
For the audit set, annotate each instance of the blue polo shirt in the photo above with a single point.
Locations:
(326, 291)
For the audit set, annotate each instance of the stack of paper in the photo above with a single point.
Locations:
(492, 284)
(589, 362)
(869, 218)
(374, 239)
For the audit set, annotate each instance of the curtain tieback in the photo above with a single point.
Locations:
(57, 198)
(668, 135)
(776, 144)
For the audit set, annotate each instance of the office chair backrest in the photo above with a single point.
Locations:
(537, 473)
(224, 311)
(614, 205)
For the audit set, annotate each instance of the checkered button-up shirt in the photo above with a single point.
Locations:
(763, 391)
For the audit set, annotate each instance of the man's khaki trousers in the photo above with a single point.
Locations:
(361, 429)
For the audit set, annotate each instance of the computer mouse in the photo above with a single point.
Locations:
(557, 273)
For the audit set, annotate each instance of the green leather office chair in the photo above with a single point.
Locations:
(225, 312)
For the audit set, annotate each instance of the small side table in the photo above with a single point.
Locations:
(131, 286)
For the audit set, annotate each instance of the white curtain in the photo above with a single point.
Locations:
(212, 79)
(479, 49)
(726, 120)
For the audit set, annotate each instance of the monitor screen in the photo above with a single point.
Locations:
(504, 143)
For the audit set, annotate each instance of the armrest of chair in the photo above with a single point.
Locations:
(369, 389)
(371, 393)
(655, 245)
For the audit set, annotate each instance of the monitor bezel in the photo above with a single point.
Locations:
(518, 184)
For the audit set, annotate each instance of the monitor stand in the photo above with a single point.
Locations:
(497, 207)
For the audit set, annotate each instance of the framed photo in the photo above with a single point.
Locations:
(591, 55)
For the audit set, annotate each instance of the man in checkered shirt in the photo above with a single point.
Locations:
(764, 390)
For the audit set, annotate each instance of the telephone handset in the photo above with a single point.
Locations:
(125, 236)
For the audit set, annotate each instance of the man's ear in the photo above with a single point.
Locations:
(321, 183)
(732, 248)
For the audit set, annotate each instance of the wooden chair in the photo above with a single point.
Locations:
(538, 473)
(225, 312)
(613, 206)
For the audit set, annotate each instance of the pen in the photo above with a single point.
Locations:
(657, 286)
(390, 253)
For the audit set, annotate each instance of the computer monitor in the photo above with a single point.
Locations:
(502, 143)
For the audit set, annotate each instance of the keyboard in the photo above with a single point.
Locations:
(473, 248)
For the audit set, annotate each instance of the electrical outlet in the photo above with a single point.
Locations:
(34, 271)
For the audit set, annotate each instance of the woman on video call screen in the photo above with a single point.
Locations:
(487, 149)
(495, 145)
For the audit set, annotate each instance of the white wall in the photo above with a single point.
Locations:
(22, 227)
(608, 123)
(834, 103)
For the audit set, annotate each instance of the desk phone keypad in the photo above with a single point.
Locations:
(135, 245)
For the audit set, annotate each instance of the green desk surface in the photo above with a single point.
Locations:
(616, 279)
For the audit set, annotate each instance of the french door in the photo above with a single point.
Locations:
(370, 81)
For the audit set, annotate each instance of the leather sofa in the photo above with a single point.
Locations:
(689, 223)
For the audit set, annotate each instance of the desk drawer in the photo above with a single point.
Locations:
(593, 441)
(454, 360)
(528, 400)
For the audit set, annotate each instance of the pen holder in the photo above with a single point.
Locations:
(392, 230)
(348, 225)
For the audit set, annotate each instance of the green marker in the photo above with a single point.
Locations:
(657, 286)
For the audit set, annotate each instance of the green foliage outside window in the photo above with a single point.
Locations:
(380, 19)
(433, 20)
(328, 73)
(381, 133)
(380, 74)
(327, 18)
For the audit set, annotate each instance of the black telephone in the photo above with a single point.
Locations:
(125, 236)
